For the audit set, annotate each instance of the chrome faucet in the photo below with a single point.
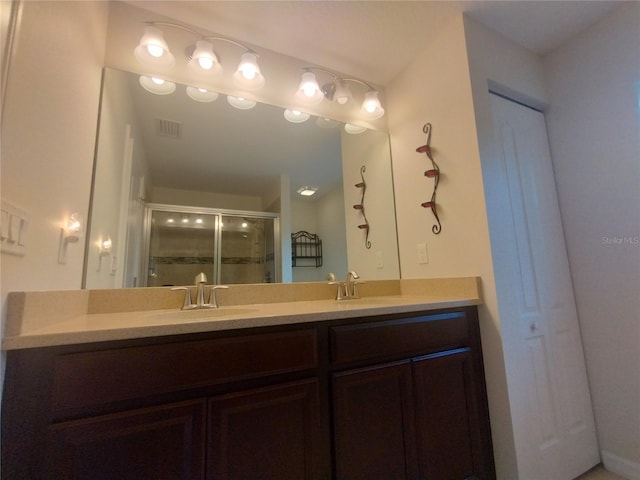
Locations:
(200, 281)
(347, 289)
(350, 285)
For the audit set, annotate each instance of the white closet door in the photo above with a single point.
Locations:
(549, 394)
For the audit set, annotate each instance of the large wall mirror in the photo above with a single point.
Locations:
(196, 157)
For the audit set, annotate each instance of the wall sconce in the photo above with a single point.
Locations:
(104, 250)
(153, 51)
(69, 233)
(337, 89)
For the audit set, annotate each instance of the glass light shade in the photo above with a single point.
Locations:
(324, 122)
(203, 59)
(296, 116)
(307, 191)
(201, 94)
(342, 93)
(248, 73)
(240, 103)
(157, 85)
(153, 50)
(371, 105)
(353, 129)
(309, 91)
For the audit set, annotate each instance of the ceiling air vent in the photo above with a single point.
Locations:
(168, 128)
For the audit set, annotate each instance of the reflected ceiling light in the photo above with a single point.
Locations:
(201, 94)
(324, 122)
(199, 221)
(296, 116)
(307, 191)
(153, 50)
(248, 73)
(240, 103)
(309, 91)
(157, 85)
(353, 129)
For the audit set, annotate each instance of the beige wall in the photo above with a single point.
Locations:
(594, 126)
(48, 135)
(436, 88)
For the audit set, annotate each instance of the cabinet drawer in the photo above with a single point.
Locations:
(93, 378)
(406, 336)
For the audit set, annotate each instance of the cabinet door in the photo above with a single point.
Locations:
(160, 443)
(449, 427)
(373, 423)
(270, 433)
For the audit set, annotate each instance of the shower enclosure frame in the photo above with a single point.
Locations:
(218, 213)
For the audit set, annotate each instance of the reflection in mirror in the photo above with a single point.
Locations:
(177, 151)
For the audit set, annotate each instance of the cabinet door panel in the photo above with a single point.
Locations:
(268, 434)
(160, 443)
(447, 416)
(373, 423)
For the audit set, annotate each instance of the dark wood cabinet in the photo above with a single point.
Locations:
(267, 434)
(423, 417)
(397, 396)
(160, 443)
(373, 427)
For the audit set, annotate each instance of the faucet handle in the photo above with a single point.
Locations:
(355, 293)
(186, 303)
(212, 297)
(340, 293)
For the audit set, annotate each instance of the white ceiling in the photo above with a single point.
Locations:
(375, 40)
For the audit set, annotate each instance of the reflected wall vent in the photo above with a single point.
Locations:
(168, 128)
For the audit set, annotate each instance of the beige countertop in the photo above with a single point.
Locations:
(38, 319)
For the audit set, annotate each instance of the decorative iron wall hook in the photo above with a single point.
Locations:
(360, 206)
(434, 173)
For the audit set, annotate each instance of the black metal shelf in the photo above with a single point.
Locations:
(306, 249)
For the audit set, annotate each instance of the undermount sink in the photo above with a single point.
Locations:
(201, 313)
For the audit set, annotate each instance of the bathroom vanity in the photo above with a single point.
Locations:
(388, 387)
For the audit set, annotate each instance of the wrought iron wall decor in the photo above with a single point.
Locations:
(360, 206)
(434, 173)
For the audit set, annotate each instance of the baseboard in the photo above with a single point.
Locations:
(620, 466)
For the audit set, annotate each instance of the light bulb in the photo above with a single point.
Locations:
(155, 50)
(248, 73)
(309, 91)
(371, 105)
(309, 84)
(152, 50)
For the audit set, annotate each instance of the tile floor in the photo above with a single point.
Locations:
(599, 473)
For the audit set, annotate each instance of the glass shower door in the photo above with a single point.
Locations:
(181, 245)
(247, 250)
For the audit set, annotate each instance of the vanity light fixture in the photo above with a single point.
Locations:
(309, 91)
(240, 102)
(296, 116)
(201, 94)
(153, 51)
(307, 191)
(69, 233)
(157, 85)
(337, 89)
